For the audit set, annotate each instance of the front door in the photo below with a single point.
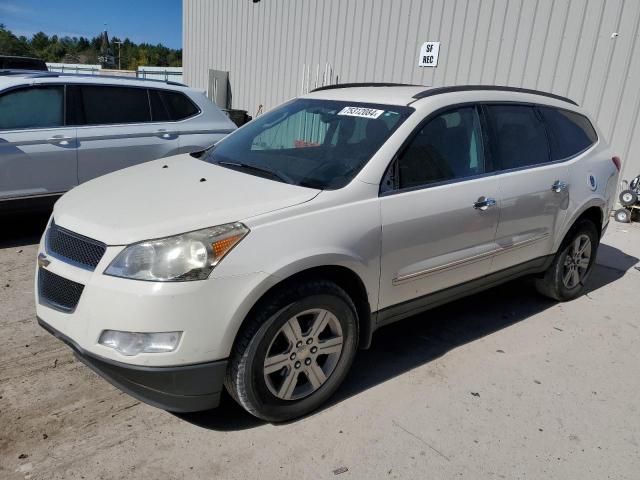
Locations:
(440, 210)
(37, 150)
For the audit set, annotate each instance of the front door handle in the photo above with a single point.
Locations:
(59, 139)
(484, 202)
(559, 186)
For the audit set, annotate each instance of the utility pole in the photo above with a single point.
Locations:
(119, 56)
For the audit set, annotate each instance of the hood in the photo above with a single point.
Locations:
(167, 197)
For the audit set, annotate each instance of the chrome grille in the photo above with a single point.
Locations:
(58, 292)
(74, 248)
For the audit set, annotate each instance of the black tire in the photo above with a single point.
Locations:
(622, 215)
(245, 379)
(551, 284)
(628, 198)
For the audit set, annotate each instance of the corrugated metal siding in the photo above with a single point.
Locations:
(277, 49)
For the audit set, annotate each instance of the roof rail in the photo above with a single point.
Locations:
(464, 88)
(44, 74)
(366, 84)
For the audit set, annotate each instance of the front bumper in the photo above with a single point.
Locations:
(185, 388)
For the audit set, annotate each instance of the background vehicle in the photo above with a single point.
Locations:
(9, 62)
(266, 263)
(57, 130)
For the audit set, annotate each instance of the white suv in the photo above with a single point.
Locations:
(58, 130)
(264, 264)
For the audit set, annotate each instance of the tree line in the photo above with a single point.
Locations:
(84, 50)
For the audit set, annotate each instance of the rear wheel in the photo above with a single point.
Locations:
(294, 352)
(628, 198)
(622, 215)
(565, 279)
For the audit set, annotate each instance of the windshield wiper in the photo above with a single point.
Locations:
(253, 168)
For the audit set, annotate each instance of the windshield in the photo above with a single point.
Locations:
(320, 144)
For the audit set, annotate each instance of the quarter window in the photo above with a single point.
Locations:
(448, 147)
(100, 105)
(166, 105)
(569, 133)
(37, 107)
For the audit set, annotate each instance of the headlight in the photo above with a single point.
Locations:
(189, 256)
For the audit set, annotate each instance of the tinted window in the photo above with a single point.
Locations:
(315, 143)
(521, 139)
(167, 105)
(569, 133)
(448, 147)
(32, 108)
(104, 105)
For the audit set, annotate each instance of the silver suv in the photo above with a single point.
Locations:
(264, 264)
(57, 130)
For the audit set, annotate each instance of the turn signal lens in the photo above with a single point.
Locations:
(221, 247)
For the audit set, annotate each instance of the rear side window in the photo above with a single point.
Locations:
(569, 133)
(520, 139)
(170, 106)
(100, 105)
(448, 147)
(36, 107)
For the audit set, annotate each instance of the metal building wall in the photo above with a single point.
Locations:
(277, 49)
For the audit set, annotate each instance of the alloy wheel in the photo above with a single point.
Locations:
(577, 261)
(303, 354)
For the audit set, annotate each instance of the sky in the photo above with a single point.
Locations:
(149, 21)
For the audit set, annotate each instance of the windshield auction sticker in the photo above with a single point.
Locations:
(361, 112)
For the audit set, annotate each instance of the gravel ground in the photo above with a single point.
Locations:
(504, 384)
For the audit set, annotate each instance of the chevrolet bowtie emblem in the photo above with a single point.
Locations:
(43, 261)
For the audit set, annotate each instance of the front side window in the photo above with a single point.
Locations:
(102, 105)
(35, 107)
(448, 147)
(316, 143)
(569, 133)
(520, 139)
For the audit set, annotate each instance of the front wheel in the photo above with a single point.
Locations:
(565, 279)
(294, 352)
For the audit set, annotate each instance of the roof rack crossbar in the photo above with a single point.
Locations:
(365, 84)
(463, 88)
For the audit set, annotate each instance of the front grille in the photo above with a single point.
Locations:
(74, 248)
(58, 292)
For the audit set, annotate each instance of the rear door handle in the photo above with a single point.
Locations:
(559, 186)
(162, 133)
(484, 202)
(59, 139)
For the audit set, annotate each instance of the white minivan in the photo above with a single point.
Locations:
(265, 263)
(60, 130)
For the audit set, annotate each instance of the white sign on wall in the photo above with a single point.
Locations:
(429, 54)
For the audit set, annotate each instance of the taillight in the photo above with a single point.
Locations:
(616, 162)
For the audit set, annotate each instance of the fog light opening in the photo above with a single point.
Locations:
(133, 343)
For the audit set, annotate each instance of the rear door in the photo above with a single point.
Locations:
(534, 189)
(439, 209)
(116, 129)
(37, 149)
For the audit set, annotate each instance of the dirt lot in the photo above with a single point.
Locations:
(504, 384)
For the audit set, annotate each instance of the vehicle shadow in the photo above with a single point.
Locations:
(403, 346)
(23, 229)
